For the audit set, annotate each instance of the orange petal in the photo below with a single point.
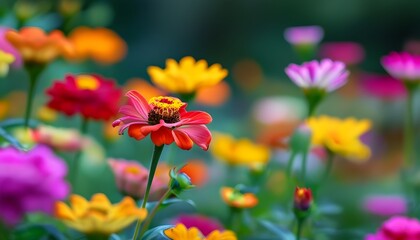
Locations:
(182, 140)
(162, 136)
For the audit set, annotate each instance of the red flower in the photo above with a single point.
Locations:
(303, 198)
(166, 119)
(90, 95)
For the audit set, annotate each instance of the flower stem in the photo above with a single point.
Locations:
(290, 165)
(153, 164)
(327, 172)
(76, 161)
(409, 125)
(304, 163)
(34, 71)
(299, 228)
(153, 213)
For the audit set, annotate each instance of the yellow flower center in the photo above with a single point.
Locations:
(87, 82)
(132, 170)
(164, 108)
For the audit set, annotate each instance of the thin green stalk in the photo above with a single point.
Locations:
(153, 213)
(34, 70)
(233, 219)
(290, 165)
(409, 153)
(327, 172)
(76, 161)
(153, 164)
(304, 163)
(299, 229)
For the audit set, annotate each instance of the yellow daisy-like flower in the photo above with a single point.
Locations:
(180, 232)
(5, 60)
(99, 216)
(340, 136)
(239, 151)
(188, 76)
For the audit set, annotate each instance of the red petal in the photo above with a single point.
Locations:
(195, 117)
(162, 136)
(199, 134)
(182, 140)
(134, 131)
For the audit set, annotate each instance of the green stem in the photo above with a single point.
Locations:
(313, 97)
(409, 125)
(299, 228)
(327, 172)
(290, 165)
(153, 164)
(153, 213)
(304, 163)
(76, 161)
(96, 237)
(233, 219)
(34, 70)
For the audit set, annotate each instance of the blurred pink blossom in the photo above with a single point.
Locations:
(380, 205)
(402, 66)
(383, 86)
(350, 53)
(397, 228)
(59, 138)
(304, 35)
(131, 178)
(30, 182)
(325, 75)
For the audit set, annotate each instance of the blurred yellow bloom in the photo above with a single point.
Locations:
(239, 151)
(340, 136)
(5, 60)
(4, 108)
(47, 114)
(236, 199)
(100, 44)
(186, 77)
(99, 216)
(180, 232)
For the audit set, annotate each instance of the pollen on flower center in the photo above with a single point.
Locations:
(164, 108)
(86, 82)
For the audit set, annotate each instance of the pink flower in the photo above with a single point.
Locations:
(30, 182)
(131, 178)
(402, 66)
(380, 205)
(304, 35)
(166, 120)
(383, 86)
(326, 75)
(7, 47)
(205, 224)
(397, 228)
(59, 138)
(350, 53)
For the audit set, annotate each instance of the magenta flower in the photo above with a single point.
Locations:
(131, 178)
(379, 205)
(383, 86)
(397, 228)
(325, 75)
(205, 224)
(5, 46)
(30, 182)
(304, 35)
(402, 66)
(350, 53)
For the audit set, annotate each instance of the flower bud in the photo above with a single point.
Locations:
(303, 199)
(179, 181)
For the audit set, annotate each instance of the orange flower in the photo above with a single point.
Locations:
(214, 95)
(100, 44)
(197, 170)
(146, 89)
(236, 199)
(38, 47)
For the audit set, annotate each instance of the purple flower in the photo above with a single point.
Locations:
(30, 182)
(402, 66)
(325, 75)
(5, 46)
(350, 53)
(305, 35)
(380, 205)
(205, 224)
(397, 228)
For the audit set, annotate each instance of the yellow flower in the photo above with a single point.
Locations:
(180, 232)
(186, 77)
(4, 108)
(239, 151)
(98, 216)
(47, 114)
(5, 60)
(340, 136)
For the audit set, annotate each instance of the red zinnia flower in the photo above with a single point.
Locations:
(90, 95)
(166, 119)
(303, 199)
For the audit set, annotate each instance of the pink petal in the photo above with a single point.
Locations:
(199, 134)
(140, 103)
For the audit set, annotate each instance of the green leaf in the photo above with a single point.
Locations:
(280, 232)
(15, 122)
(9, 138)
(168, 202)
(157, 233)
(37, 231)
